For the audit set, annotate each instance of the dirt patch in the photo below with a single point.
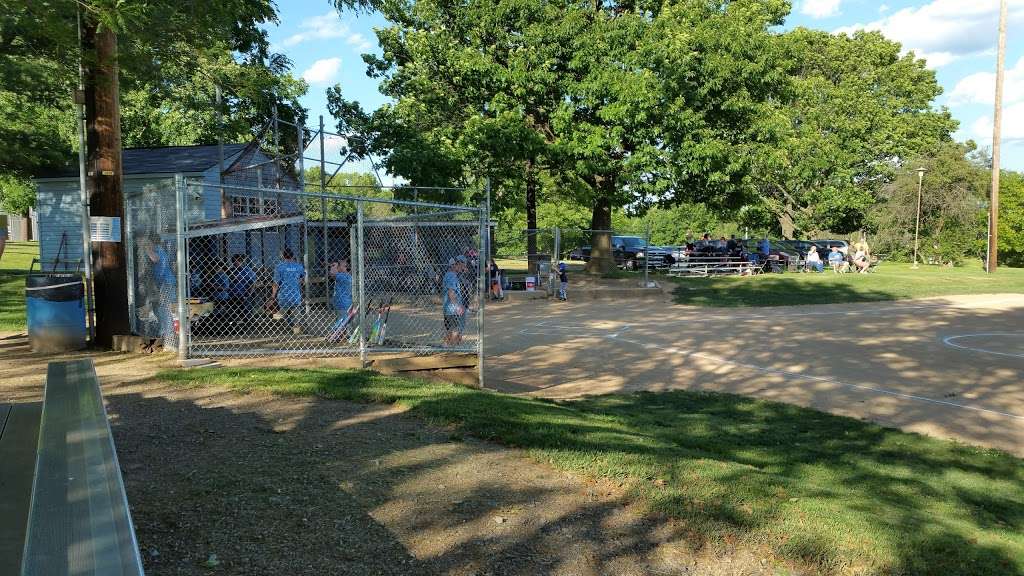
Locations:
(224, 483)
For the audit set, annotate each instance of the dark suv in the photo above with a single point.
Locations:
(630, 253)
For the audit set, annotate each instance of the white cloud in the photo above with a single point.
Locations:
(942, 31)
(1013, 126)
(322, 71)
(883, 8)
(820, 8)
(980, 87)
(327, 25)
(359, 41)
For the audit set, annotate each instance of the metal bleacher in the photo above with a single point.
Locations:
(78, 519)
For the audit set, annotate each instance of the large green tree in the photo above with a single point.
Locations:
(853, 110)
(618, 102)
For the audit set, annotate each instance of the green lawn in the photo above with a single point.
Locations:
(838, 494)
(13, 267)
(890, 281)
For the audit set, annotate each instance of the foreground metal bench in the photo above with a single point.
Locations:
(78, 521)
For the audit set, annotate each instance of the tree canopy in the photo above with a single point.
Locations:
(173, 54)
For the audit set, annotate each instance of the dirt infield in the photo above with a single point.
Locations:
(951, 367)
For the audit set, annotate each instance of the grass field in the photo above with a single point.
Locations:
(890, 281)
(13, 267)
(838, 494)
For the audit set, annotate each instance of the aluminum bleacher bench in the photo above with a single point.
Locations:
(78, 521)
(711, 266)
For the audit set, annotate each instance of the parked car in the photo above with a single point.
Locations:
(630, 252)
(825, 246)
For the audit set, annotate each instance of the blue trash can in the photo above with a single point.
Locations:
(55, 306)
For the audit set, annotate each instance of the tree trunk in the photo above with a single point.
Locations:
(28, 225)
(787, 226)
(531, 217)
(602, 260)
(103, 122)
(787, 221)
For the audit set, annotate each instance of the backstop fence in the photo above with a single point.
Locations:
(232, 270)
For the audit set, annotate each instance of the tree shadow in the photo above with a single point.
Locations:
(311, 485)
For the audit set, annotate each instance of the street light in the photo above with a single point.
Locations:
(917, 225)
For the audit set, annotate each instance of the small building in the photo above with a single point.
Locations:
(149, 192)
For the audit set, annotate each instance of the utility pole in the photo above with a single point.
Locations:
(917, 223)
(997, 121)
(103, 140)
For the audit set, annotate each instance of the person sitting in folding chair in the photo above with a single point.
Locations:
(837, 261)
(813, 260)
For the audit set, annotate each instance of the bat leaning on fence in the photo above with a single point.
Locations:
(354, 336)
(384, 324)
(338, 331)
(375, 331)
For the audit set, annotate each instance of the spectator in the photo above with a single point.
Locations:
(764, 248)
(861, 261)
(453, 309)
(563, 282)
(287, 288)
(837, 261)
(814, 260)
(730, 246)
(342, 299)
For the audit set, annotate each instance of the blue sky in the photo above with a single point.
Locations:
(957, 38)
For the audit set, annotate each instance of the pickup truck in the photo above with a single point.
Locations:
(629, 252)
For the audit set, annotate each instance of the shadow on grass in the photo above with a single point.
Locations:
(774, 290)
(838, 493)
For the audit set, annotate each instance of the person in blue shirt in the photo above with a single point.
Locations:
(342, 299)
(453, 308)
(287, 288)
(837, 260)
(242, 280)
(167, 289)
(764, 248)
(221, 285)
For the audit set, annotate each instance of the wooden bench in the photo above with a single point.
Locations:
(78, 521)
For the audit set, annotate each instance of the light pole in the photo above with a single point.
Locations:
(917, 225)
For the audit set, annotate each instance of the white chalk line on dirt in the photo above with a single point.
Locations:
(948, 341)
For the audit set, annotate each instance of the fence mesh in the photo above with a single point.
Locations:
(272, 271)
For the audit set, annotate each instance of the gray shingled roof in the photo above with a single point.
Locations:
(161, 160)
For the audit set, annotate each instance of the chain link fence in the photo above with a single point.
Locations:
(239, 270)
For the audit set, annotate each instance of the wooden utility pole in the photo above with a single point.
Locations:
(106, 198)
(997, 125)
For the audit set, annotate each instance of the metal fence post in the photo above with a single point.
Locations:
(182, 253)
(556, 256)
(483, 263)
(361, 259)
(647, 254)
